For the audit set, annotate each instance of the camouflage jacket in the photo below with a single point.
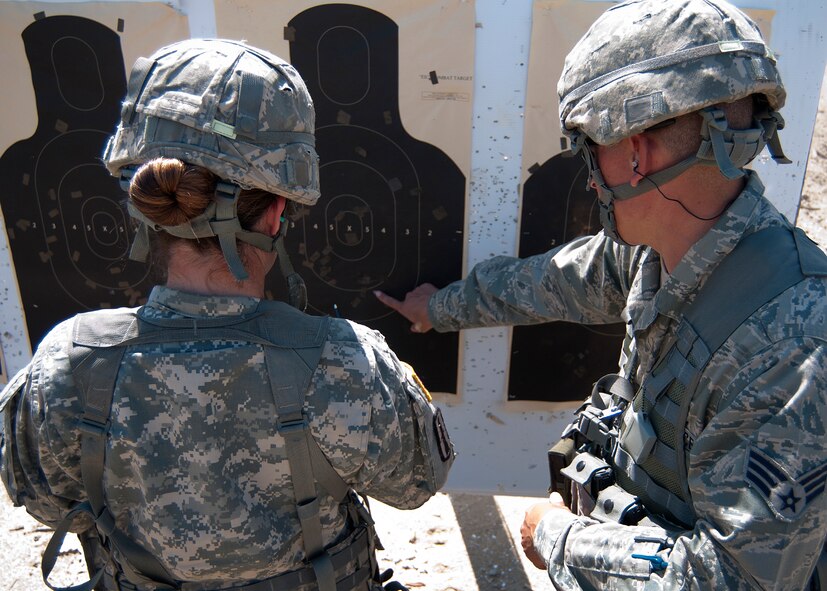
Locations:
(195, 470)
(768, 379)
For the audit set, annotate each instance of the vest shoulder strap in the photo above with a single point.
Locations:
(292, 425)
(762, 266)
(785, 256)
(94, 366)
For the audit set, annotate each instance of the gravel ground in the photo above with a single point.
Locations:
(456, 542)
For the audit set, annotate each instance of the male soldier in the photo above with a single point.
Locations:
(213, 439)
(702, 463)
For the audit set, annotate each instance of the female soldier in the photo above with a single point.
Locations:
(212, 439)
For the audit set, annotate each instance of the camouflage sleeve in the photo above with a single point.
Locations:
(40, 442)
(757, 475)
(376, 423)
(584, 281)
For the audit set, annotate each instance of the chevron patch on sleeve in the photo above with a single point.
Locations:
(786, 496)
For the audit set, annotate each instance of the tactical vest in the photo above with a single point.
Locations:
(292, 346)
(640, 464)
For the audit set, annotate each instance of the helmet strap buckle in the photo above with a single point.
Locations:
(226, 211)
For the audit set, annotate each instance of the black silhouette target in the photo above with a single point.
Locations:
(68, 231)
(86, 230)
(559, 361)
(365, 232)
(391, 215)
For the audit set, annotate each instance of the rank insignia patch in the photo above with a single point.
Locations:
(786, 496)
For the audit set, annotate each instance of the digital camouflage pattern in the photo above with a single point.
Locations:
(195, 469)
(240, 112)
(767, 381)
(641, 63)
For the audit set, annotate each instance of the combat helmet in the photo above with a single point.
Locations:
(645, 62)
(240, 112)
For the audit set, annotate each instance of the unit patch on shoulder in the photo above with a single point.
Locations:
(786, 496)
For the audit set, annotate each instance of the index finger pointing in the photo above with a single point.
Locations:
(389, 301)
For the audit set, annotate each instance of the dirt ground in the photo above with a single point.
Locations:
(812, 211)
(456, 542)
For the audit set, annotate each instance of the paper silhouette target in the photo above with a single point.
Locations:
(559, 361)
(366, 233)
(68, 233)
(391, 214)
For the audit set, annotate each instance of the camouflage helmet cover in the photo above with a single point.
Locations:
(240, 112)
(646, 61)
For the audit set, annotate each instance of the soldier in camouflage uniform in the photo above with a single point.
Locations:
(716, 457)
(212, 439)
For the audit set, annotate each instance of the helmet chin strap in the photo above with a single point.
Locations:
(297, 290)
(728, 149)
(220, 219)
(605, 199)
